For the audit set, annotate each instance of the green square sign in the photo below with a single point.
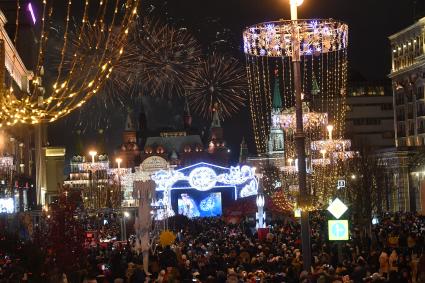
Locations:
(338, 230)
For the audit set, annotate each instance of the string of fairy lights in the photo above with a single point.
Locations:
(71, 89)
(323, 77)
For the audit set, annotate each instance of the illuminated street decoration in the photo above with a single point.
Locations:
(6, 162)
(311, 120)
(273, 39)
(321, 47)
(204, 177)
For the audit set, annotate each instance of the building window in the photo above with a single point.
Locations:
(366, 121)
(386, 106)
(419, 93)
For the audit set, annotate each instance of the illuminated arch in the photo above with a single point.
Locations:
(204, 177)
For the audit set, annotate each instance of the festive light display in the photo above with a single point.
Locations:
(203, 177)
(274, 39)
(70, 89)
(323, 49)
(88, 44)
(311, 120)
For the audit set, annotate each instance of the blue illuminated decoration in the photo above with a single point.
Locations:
(203, 177)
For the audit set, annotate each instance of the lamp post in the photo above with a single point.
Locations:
(300, 137)
(260, 201)
(93, 195)
(125, 215)
(119, 160)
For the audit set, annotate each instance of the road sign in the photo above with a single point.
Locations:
(340, 184)
(338, 230)
(337, 208)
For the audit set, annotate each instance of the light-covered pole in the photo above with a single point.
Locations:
(119, 160)
(300, 138)
(260, 202)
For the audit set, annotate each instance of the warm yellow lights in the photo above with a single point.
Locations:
(70, 91)
(330, 128)
(296, 2)
(92, 153)
(118, 160)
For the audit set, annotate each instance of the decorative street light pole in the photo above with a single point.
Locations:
(300, 138)
(119, 160)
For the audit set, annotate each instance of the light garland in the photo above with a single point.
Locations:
(274, 39)
(311, 120)
(331, 145)
(68, 93)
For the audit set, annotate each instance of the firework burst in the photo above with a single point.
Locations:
(85, 48)
(164, 57)
(218, 82)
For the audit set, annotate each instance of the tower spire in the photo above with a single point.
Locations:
(187, 117)
(277, 99)
(243, 153)
(216, 118)
(129, 124)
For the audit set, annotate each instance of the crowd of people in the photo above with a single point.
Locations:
(210, 250)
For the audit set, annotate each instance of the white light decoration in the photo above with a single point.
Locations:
(260, 200)
(344, 155)
(331, 145)
(7, 205)
(202, 178)
(274, 39)
(311, 120)
(6, 163)
(296, 2)
(337, 208)
(320, 162)
(249, 190)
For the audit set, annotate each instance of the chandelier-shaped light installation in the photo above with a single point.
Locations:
(323, 48)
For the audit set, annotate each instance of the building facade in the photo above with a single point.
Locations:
(407, 75)
(370, 116)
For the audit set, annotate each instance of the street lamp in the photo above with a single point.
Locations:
(92, 153)
(119, 160)
(300, 137)
(125, 215)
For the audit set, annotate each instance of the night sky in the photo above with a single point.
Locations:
(370, 23)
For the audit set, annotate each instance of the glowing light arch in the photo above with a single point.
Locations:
(203, 177)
